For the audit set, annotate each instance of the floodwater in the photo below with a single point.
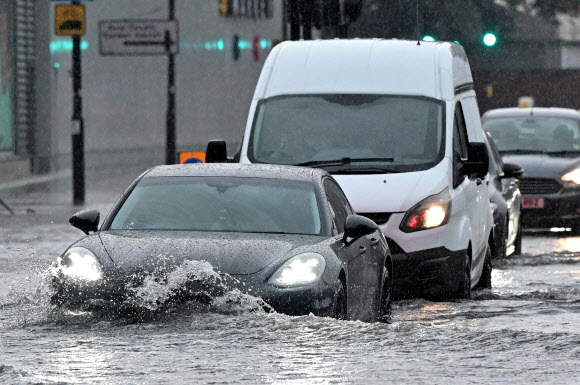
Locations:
(525, 330)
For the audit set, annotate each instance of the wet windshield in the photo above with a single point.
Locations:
(530, 135)
(220, 204)
(395, 132)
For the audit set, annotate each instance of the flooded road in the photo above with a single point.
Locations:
(524, 330)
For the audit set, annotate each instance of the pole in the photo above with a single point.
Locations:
(78, 141)
(170, 155)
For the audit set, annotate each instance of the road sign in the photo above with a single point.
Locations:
(192, 157)
(138, 37)
(69, 20)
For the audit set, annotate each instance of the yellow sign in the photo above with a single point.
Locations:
(69, 20)
(192, 157)
(223, 7)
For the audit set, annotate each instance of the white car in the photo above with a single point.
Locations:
(397, 125)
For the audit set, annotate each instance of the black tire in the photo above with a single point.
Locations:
(339, 307)
(518, 241)
(386, 295)
(485, 279)
(464, 289)
(500, 242)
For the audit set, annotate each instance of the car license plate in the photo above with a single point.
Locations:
(533, 203)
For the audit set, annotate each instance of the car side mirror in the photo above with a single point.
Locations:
(357, 226)
(216, 152)
(477, 163)
(511, 170)
(86, 220)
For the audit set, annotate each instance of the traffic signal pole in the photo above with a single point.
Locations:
(170, 152)
(78, 129)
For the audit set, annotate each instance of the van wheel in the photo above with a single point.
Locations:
(386, 290)
(339, 308)
(464, 289)
(485, 279)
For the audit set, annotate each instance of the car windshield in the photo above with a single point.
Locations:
(396, 132)
(220, 204)
(530, 135)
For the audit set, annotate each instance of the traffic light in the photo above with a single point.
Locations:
(489, 39)
(428, 38)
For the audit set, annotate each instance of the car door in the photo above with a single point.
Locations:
(465, 190)
(481, 207)
(361, 255)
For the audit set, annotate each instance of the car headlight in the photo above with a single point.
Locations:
(80, 263)
(573, 177)
(300, 270)
(428, 214)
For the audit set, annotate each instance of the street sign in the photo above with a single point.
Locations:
(138, 37)
(69, 20)
(192, 157)
(526, 102)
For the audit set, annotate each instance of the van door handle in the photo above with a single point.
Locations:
(478, 181)
(362, 249)
(374, 241)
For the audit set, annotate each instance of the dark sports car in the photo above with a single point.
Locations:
(285, 234)
(546, 143)
(506, 202)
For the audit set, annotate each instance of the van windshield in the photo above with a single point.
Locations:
(348, 132)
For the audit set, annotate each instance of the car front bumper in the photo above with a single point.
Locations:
(560, 210)
(317, 298)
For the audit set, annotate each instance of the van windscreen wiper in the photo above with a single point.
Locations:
(521, 151)
(342, 162)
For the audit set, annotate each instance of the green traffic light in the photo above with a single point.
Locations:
(489, 39)
(428, 38)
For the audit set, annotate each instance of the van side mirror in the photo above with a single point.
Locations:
(216, 152)
(357, 226)
(86, 221)
(511, 170)
(477, 163)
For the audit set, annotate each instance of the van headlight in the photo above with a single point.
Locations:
(80, 263)
(573, 177)
(301, 270)
(432, 212)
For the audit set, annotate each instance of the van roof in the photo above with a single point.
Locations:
(397, 67)
(541, 112)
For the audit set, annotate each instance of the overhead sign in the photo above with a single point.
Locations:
(69, 20)
(138, 37)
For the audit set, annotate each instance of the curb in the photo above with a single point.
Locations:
(36, 179)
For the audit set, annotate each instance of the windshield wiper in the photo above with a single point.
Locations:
(342, 162)
(563, 152)
(361, 170)
(521, 152)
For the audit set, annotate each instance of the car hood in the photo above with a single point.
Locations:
(230, 253)
(543, 165)
(393, 193)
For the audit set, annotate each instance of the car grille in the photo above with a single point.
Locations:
(379, 218)
(539, 186)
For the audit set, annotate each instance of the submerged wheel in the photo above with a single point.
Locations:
(485, 279)
(386, 293)
(464, 289)
(340, 302)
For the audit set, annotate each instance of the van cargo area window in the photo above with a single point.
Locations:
(386, 132)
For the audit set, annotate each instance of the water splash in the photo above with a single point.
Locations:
(195, 280)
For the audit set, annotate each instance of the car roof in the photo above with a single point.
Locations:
(265, 171)
(542, 112)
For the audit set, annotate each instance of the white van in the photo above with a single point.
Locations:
(397, 124)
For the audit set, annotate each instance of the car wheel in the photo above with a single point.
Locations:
(340, 302)
(464, 289)
(386, 293)
(485, 279)
(518, 242)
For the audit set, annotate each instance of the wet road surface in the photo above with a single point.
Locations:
(525, 330)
